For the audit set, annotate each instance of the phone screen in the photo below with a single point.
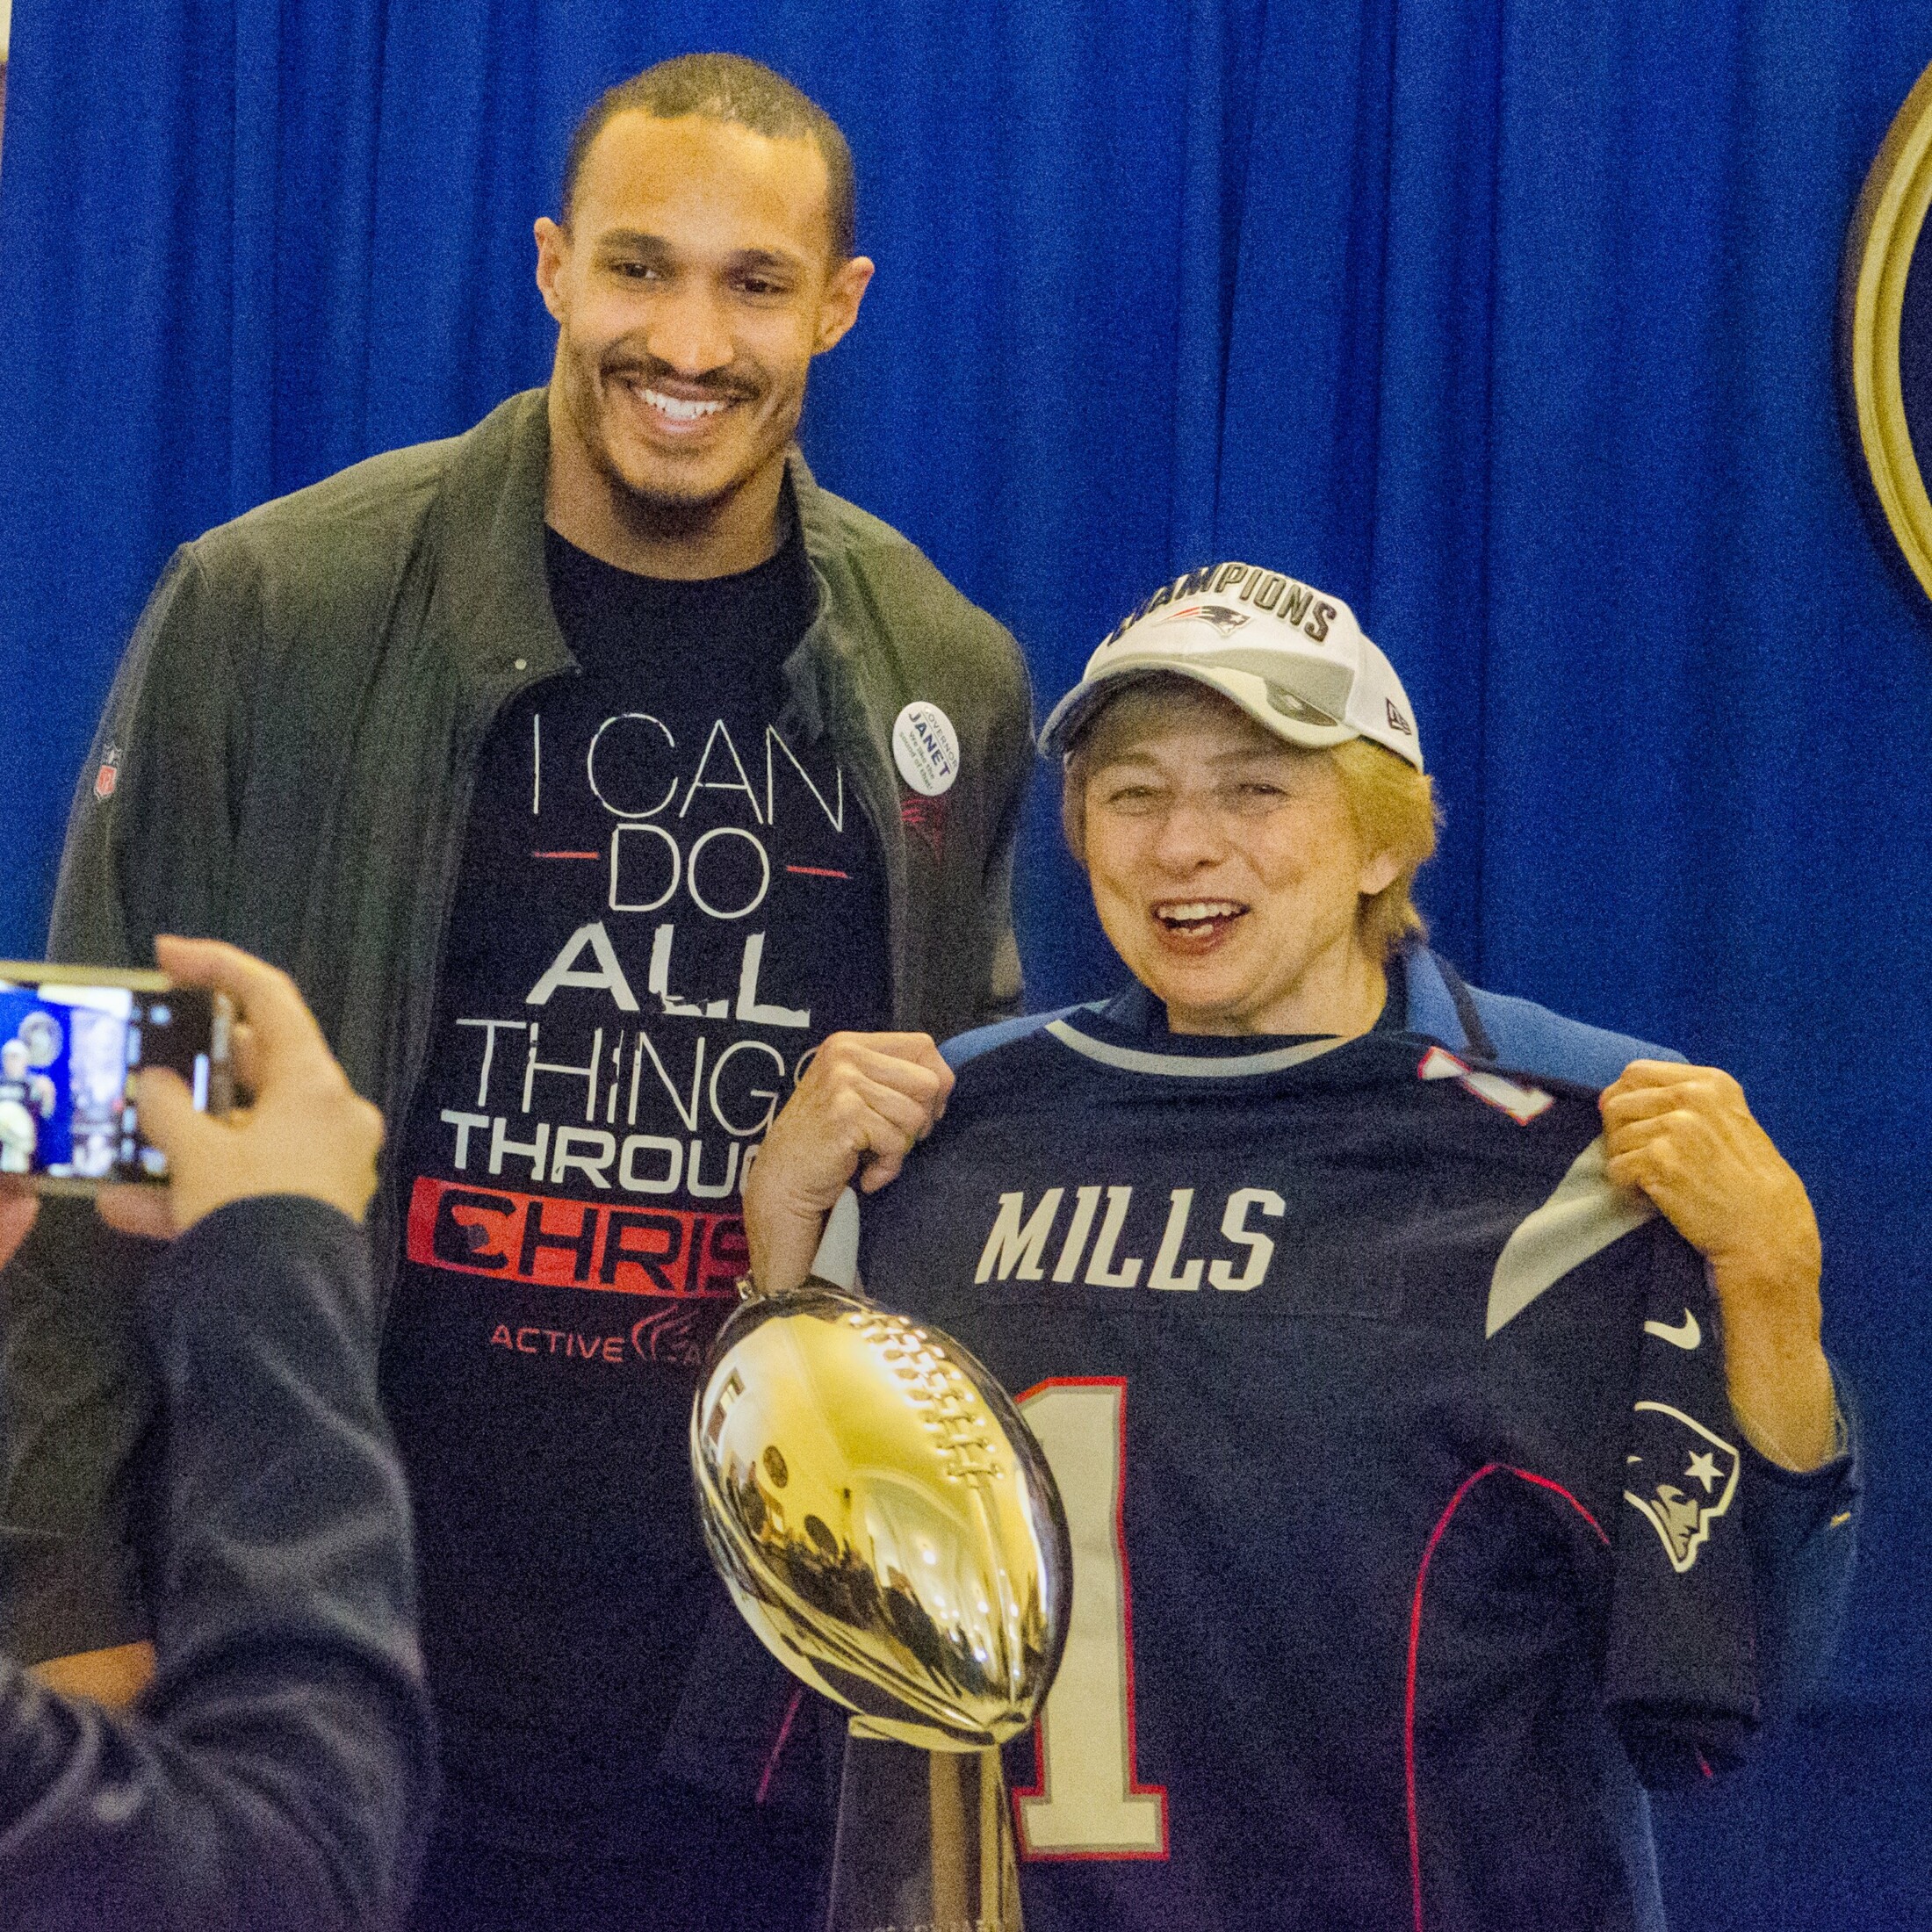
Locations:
(66, 1050)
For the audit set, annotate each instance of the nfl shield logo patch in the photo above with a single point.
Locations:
(108, 776)
(926, 819)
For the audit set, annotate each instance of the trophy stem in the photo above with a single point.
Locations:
(924, 1842)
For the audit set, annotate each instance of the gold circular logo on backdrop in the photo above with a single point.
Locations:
(1886, 316)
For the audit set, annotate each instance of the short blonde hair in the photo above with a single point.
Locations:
(1392, 804)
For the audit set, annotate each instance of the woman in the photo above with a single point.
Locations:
(1417, 1512)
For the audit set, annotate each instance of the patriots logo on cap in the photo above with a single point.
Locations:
(1224, 620)
(1686, 1474)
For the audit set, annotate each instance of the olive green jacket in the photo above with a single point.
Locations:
(286, 762)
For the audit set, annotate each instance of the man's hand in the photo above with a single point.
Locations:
(865, 1102)
(1684, 1136)
(306, 1132)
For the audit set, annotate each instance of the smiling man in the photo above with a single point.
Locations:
(700, 263)
(585, 770)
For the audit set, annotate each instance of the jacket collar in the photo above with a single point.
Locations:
(491, 591)
(1433, 1007)
(805, 710)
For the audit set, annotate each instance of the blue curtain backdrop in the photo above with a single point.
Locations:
(1511, 322)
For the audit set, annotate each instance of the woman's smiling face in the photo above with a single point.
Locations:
(1227, 871)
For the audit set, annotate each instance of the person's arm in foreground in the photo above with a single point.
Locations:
(279, 1770)
(865, 1100)
(148, 850)
(1685, 1136)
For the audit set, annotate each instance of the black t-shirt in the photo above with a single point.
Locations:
(666, 899)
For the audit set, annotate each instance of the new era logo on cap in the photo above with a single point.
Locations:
(1293, 660)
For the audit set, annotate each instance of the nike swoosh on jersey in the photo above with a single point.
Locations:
(1585, 1213)
(1685, 1334)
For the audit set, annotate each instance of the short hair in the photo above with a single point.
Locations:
(741, 93)
(1393, 805)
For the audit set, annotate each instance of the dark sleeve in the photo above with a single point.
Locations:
(277, 1773)
(1803, 1530)
(79, 1405)
(147, 848)
(1680, 1675)
(150, 851)
(744, 1729)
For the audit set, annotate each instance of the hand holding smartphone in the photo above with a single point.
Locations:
(124, 1076)
(71, 1037)
(297, 1127)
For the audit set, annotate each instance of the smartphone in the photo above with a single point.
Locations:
(69, 1037)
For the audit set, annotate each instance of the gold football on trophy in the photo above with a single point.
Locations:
(882, 1517)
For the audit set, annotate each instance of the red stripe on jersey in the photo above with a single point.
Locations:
(778, 1745)
(1415, 1642)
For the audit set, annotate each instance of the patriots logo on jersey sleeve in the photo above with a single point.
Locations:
(1682, 1479)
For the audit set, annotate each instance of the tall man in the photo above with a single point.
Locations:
(585, 770)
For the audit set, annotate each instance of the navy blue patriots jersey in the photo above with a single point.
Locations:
(1395, 1449)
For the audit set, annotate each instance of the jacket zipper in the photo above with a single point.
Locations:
(423, 1006)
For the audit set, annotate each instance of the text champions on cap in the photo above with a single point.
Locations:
(1290, 601)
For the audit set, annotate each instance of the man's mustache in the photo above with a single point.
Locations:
(649, 370)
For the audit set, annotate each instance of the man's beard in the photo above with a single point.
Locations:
(663, 499)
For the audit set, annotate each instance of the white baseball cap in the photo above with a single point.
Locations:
(1293, 660)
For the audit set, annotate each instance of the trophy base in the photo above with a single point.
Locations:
(924, 1842)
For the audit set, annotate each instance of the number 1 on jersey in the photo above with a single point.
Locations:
(1088, 1804)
